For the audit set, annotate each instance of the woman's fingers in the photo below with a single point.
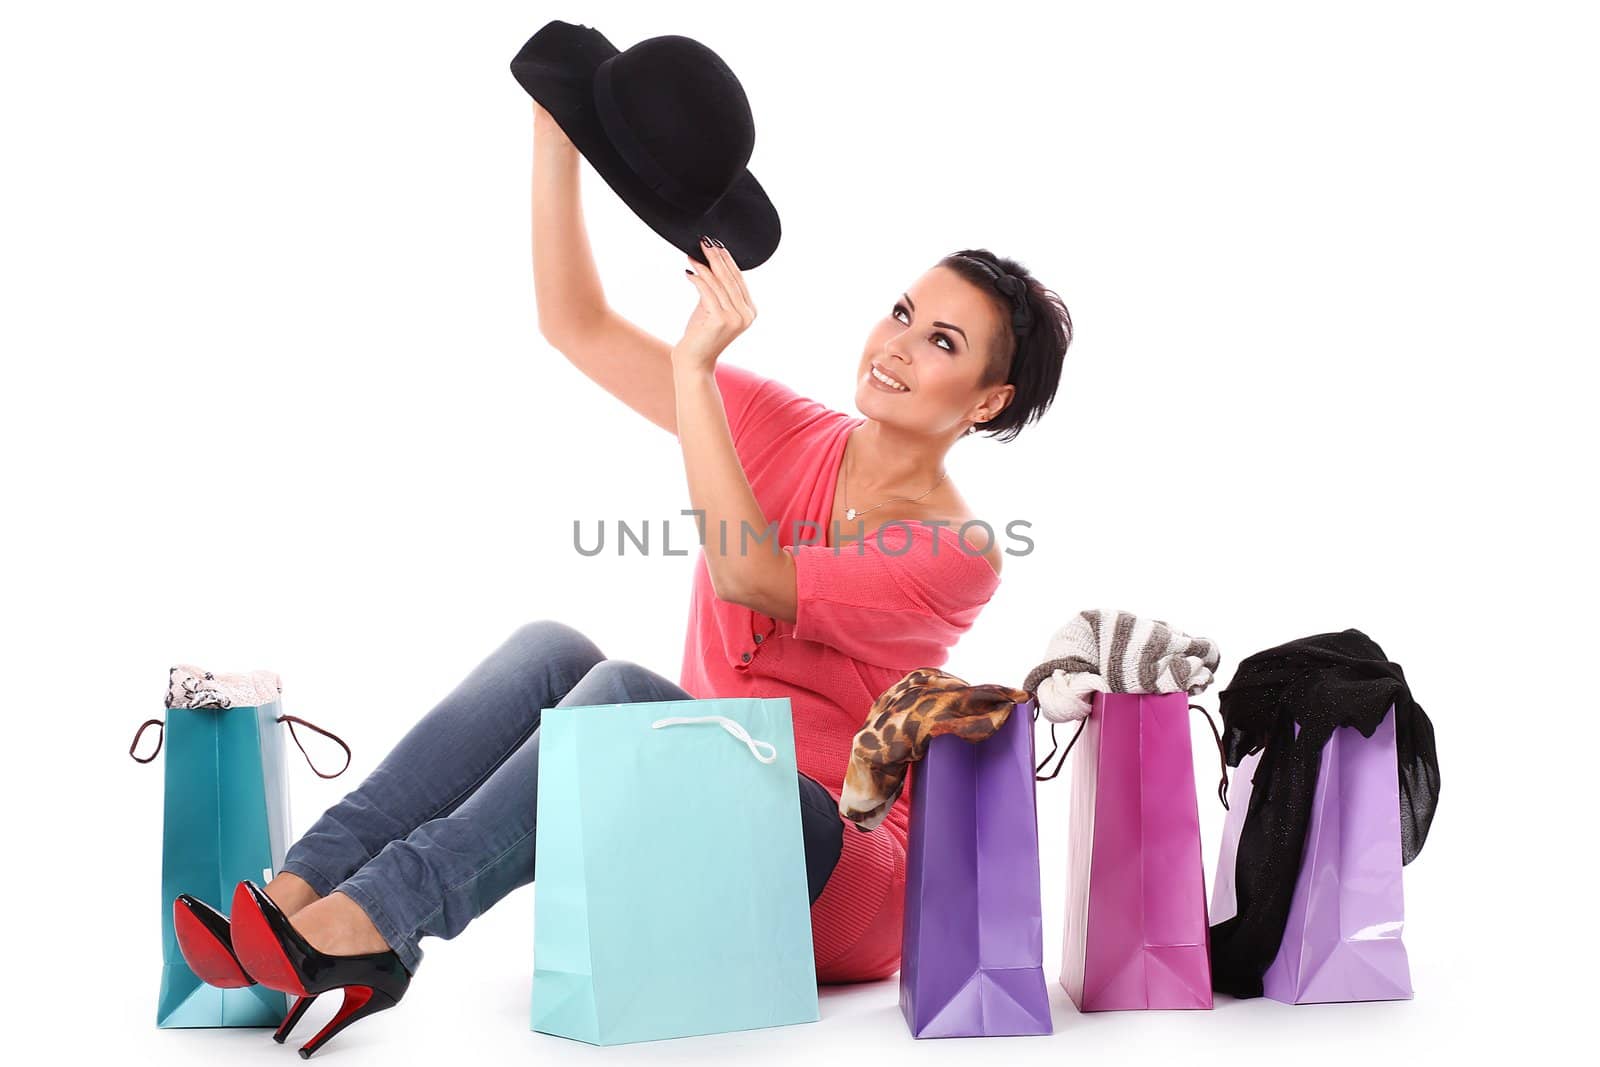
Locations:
(707, 273)
(706, 299)
(712, 299)
(742, 292)
(732, 278)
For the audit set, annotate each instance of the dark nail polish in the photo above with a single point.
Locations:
(705, 240)
(719, 243)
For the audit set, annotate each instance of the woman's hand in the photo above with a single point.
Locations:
(724, 312)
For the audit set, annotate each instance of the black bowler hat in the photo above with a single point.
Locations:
(666, 124)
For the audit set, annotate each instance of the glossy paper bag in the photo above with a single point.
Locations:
(1135, 933)
(1342, 939)
(670, 893)
(225, 818)
(972, 949)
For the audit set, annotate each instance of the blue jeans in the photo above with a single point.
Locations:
(444, 827)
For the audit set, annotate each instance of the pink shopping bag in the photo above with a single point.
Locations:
(1136, 932)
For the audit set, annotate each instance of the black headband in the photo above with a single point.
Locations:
(1015, 290)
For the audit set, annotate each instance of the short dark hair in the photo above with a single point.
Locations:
(1033, 363)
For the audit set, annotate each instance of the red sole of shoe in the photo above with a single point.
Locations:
(258, 948)
(210, 960)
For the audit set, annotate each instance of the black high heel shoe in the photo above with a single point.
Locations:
(274, 953)
(206, 943)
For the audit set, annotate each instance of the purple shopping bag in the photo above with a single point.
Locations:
(972, 943)
(1342, 939)
(1136, 934)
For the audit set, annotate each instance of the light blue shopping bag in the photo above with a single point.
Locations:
(670, 894)
(225, 818)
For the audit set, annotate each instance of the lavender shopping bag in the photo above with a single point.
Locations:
(972, 948)
(1342, 940)
(1136, 933)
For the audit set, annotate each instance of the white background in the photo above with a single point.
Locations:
(275, 397)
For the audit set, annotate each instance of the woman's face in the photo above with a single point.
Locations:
(936, 340)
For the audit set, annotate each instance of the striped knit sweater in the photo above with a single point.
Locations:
(863, 620)
(1108, 651)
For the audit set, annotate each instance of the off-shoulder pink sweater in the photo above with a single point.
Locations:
(869, 612)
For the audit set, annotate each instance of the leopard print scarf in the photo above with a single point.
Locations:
(919, 707)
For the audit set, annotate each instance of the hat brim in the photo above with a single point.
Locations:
(556, 67)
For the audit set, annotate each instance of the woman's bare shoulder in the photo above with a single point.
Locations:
(981, 539)
(979, 536)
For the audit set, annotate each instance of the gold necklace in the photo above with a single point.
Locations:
(850, 513)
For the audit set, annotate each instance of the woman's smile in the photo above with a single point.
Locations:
(887, 382)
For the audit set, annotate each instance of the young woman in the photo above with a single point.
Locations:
(877, 575)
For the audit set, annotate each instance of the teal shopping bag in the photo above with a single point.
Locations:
(225, 818)
(670, 894)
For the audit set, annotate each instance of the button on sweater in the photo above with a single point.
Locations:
(868, 612)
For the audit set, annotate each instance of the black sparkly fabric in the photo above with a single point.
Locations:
(1319, 683)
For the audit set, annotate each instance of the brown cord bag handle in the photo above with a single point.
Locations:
(290, 719)
(162, 736)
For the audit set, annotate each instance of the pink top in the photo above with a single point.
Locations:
(869, 612)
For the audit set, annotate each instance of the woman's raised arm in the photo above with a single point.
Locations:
(629, 363)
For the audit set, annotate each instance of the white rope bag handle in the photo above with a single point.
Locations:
(732, 727)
